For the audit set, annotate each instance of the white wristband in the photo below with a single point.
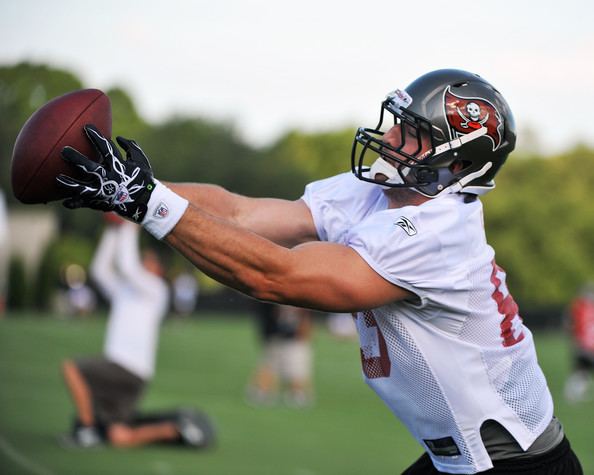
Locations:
(164, 209)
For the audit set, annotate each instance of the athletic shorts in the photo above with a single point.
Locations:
(584, 360)
(559, 461)
(290, 359)
(115, 390)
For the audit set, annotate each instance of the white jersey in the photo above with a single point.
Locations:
(138, 300)
(458, 355)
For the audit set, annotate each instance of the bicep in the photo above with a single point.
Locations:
(288, 223)
(334, 277)
(284, 222)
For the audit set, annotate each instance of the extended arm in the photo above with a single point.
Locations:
(129, 261)
(102, 267)
(318, 275)
(238, 241)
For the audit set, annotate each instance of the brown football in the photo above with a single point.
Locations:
(36, 159)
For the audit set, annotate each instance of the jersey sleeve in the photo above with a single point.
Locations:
(408, 261)
(338, 203)
(422, 248)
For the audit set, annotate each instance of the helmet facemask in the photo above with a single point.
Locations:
(400, 164)
(422, 159)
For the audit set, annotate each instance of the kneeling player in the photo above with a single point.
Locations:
(106, 389)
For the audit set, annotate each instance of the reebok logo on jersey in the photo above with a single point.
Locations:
(405, 224)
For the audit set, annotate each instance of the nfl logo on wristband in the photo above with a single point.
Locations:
(162, 211)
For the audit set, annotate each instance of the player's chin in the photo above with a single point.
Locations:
(401, 194)
(380, 178)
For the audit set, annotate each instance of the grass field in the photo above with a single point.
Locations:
(205, 362)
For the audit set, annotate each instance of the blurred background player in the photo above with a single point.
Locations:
(285, 365)
(106, 389)
(78, 298)
(342, 326)
(580, 320)
(185, 292)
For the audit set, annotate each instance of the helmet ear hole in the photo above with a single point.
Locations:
(459, 165)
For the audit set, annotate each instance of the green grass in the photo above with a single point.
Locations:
(205, 363)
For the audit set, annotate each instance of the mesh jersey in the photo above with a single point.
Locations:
(459, 354)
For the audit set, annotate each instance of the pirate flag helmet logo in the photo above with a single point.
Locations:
(467, 114)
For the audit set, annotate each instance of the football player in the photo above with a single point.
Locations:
(400, 243)
(286, 360)
(580, 321)
(106, 389)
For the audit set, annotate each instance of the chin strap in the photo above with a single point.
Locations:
(458, 142)
(460, 185)
(382, 167)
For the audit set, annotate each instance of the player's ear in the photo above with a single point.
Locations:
(457, 166)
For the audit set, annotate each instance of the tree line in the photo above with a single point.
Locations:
(539, 218)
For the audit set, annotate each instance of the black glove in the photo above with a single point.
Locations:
(112, 183)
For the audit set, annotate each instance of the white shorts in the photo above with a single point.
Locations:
(290, 360)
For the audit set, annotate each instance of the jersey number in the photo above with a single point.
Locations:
(374, 352)
(512, 329)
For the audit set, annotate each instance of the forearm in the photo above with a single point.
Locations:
(315, 275)
(206, 240)
(213, 199)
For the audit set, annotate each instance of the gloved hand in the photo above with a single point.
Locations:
(112, 183)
